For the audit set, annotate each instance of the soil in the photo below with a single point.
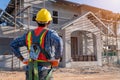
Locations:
(82, 73)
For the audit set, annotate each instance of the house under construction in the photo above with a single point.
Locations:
(90, 34)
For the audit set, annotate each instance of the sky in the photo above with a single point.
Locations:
(3, 4)
(112, 5)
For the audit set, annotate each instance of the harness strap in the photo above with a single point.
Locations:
(30, 70)
(28, 40)
(45, 53)
(49, 74)
(36, 76)
(33, 66)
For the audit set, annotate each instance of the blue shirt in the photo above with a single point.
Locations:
(52, 39)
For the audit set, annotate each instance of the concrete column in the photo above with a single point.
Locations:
(118, 50)
(86, 44)
(67, 49)
(99, 49)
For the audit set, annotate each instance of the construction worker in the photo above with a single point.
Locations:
(44, 47)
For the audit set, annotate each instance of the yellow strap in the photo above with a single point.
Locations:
(29, 40)
(42, 36)
(41, 61)
(30, 60)
(41, 39)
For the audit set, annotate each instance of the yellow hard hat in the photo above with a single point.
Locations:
(43, 16)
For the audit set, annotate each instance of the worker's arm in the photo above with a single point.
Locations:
(16, 44)
(58, 43)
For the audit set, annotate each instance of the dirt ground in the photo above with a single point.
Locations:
(82, 73)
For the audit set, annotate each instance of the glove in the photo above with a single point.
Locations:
(54, 63)
(25, 61)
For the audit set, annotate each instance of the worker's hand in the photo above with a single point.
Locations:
(21, 58)
(25, 61)
(54, 62)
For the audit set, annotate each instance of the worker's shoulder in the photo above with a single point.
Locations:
(51, 31)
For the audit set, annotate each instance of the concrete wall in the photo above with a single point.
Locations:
(11, 62)
(5, 62)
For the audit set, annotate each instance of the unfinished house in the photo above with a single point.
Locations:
(86, 31)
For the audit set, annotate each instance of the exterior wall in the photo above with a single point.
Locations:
(81, 24)
(9, 62)
(5, 62)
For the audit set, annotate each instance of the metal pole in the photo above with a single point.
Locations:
(107, 43)
(12, 61)
(15, 18)
(14, 30)
(28, 18)
(44, 3)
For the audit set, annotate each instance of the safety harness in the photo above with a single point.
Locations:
(42, 57)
